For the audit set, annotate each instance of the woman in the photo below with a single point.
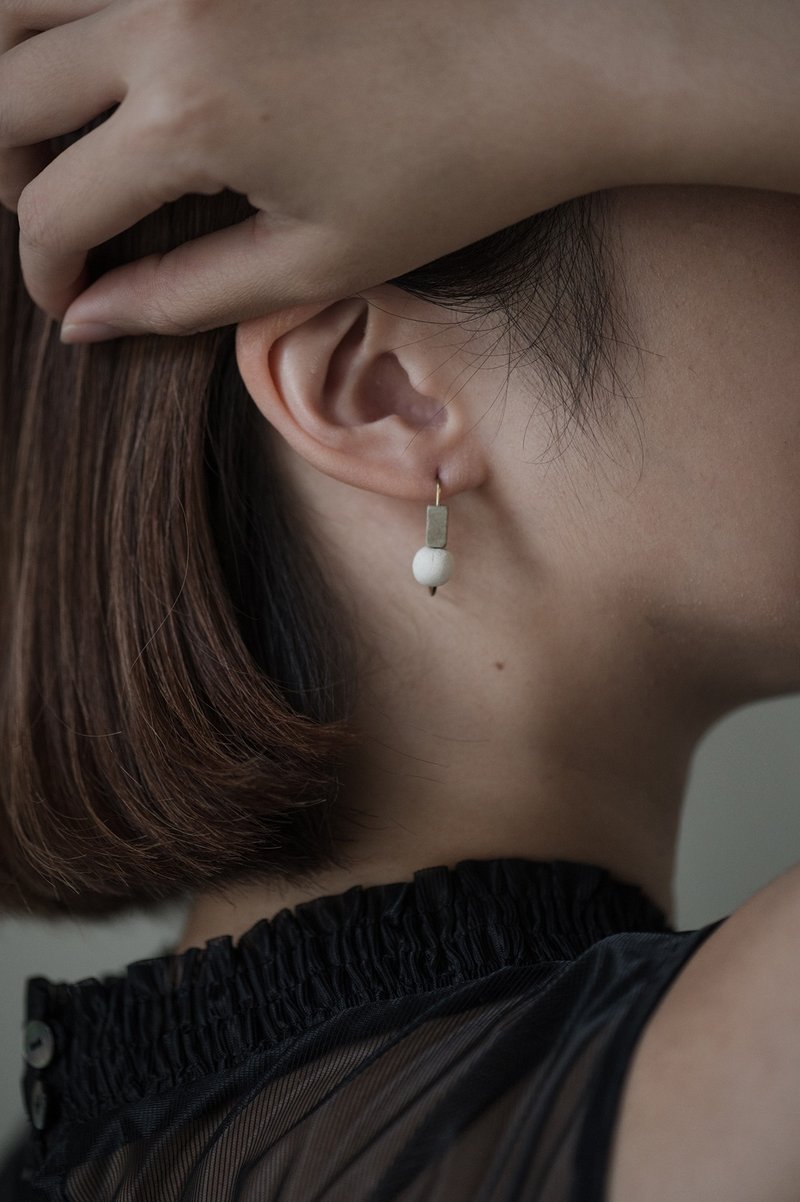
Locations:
(429, 838)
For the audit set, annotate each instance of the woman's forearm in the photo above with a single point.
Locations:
(657, 92)
(730, 107)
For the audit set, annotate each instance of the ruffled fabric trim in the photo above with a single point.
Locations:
(177, 1018)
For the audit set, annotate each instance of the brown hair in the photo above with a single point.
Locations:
(178, 678)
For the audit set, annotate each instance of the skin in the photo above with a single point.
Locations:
(613, 595)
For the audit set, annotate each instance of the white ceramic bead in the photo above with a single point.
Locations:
(432, 566)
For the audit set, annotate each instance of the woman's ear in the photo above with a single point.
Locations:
(336, 380)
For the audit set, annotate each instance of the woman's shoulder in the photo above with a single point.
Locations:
(712, 1092)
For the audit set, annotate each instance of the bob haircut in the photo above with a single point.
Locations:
(178, 678)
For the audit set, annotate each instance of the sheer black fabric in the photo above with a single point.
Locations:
(462, 1037)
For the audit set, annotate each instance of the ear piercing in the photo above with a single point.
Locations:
(432, 564)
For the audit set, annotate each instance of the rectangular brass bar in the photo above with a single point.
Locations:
(436, 526)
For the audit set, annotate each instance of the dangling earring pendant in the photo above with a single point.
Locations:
(432, 564)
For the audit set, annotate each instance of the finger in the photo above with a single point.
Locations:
(71, 90)
(33, 15)
(57, 82)
(101, 185)
(17, 167)
(229, 276)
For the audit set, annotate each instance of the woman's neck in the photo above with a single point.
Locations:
(581, 755)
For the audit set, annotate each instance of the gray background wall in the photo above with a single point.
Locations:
(741, 828)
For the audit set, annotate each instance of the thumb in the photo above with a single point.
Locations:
(243, 271)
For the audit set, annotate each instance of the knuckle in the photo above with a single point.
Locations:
(171, 18)
(178, 131)
(160, 319)
(159, 300)
(155, 125)
(180, 108)
(167, 316)
(185, 14)
(34, 219)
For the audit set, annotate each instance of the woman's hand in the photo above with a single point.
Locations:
(370, 137)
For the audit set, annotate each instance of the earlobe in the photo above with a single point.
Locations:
(335, 381)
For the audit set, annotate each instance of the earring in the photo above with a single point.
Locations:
(432, 565)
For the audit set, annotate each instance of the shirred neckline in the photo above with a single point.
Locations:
(179, 1016)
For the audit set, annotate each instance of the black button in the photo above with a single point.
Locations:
(38, 1105)
(39, 1044)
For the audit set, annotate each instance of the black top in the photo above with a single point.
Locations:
(462, 1036)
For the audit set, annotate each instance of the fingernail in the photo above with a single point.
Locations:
(87, 331)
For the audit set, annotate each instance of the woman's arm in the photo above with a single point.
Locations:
(722, 95)
(369, 138)
(661, 92)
